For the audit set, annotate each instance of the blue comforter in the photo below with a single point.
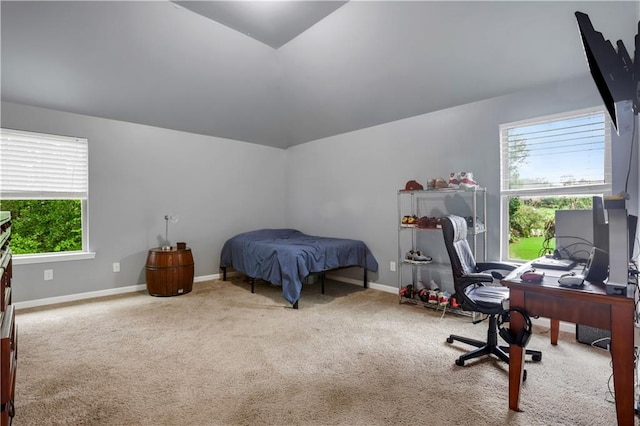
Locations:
(286, 256)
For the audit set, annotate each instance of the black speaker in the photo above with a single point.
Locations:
(593, 336)
(522, 337)
(597, 267)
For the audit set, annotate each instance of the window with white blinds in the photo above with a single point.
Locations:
(42, 166)
(568, 153)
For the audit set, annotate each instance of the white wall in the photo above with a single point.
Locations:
(137, 174)
(347, 185)
(343, 186)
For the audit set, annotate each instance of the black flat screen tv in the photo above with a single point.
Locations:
(613, 73)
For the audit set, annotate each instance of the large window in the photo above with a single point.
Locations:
(550, 163)
(44, 183)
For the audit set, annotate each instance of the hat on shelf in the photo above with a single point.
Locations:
(413, 185)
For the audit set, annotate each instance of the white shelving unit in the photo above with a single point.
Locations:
(426, 236)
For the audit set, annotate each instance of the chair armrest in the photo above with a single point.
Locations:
(474, 278)
(503, 266)
(494, 267)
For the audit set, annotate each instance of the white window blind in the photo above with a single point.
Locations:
(41, 166)
(558, 153)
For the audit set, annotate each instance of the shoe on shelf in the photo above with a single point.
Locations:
(423, 222)
(441, 184)
(433, 297)
(407, 291)
(443, 299)
(418, 257)
(479, 226)
(426, 222)
(433, 223)
(454, 180)
(409, 221)
(424, 295)
(466, 181)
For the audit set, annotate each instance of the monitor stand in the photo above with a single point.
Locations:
(618, 254)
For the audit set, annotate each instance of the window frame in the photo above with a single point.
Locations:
(604, 189)
(84, 253)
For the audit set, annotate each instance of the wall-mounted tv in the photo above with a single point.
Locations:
(614, 73)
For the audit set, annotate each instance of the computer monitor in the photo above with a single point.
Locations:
(577, 231)
(574, 234)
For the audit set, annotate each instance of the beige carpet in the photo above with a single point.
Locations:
(223, 356)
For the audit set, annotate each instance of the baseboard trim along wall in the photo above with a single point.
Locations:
(93, 294)
(541, 322)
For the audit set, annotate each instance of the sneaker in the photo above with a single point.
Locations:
(432, 222)
(441, 184)
(433, 297)
(479, 226)
(454, 180)
(423, 222)
(443, 299)
(424, 295)
(407, 291)
(418, 257)
(466, 181)
(409, 256)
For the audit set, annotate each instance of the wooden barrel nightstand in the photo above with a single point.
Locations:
(169, 272)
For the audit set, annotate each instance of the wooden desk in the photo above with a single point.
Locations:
(590, 306)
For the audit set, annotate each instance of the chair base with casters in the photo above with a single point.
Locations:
(490, 347)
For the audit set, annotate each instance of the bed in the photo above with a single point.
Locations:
(286, 257)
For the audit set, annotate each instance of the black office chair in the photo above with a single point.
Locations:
(472, 291)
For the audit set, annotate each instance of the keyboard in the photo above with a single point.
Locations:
(551, 263)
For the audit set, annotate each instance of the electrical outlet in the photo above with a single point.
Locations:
(48, 274)
(392, 266)
(116, 266)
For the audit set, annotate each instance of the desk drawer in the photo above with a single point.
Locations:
(582, 312)
(5, 298)
(8, 358)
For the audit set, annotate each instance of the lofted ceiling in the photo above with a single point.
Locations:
(273, 23)
(300, 71)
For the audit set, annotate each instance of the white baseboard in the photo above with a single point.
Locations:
(142, 287)
(100, 293)
(358, 282)
(542, 322)
(78, 296)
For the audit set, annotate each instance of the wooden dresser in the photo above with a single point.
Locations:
(8, 331)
